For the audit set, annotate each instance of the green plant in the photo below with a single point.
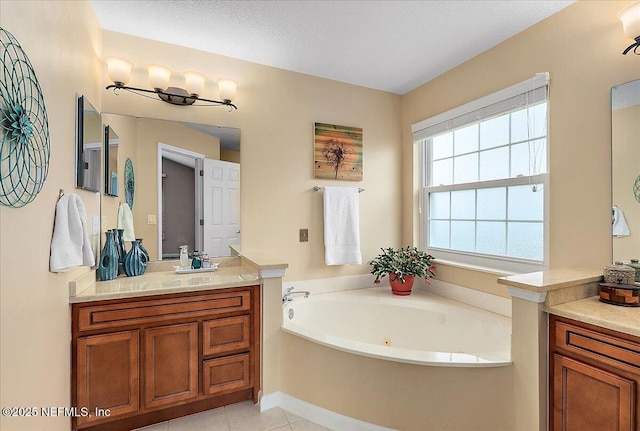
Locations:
(401, 262)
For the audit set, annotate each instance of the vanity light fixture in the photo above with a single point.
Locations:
(630, 17)
(119, 72)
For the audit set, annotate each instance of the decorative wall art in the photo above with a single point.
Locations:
(24, 127)
(129, 182)
(337, 152)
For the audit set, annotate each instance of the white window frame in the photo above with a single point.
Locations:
(459, 117)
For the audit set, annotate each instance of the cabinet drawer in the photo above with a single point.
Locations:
(138, 312)
(226, 335)
(604, 348)
(226, 374)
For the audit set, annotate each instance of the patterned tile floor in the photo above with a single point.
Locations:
(243, 416)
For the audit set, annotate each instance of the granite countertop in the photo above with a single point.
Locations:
(573, 293)
(592, 310)
(162, 282)
(161, 278)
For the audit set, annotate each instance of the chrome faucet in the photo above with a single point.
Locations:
(287, 296)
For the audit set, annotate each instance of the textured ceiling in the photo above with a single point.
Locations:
(393, 46)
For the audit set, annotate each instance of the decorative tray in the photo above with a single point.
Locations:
(181, 270)
(626, 295)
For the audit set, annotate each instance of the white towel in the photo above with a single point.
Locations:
(619, 226)
(125, 221)
(70, 241)
(341, 226)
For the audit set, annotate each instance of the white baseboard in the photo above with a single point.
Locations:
(316, 414)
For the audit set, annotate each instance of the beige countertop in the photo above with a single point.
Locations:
(161, 278)
(553, 279)
(570, 293)
(162, 282)
(592, 310)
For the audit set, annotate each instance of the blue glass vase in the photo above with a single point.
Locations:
(135, 261)
(108, 266)
(144, 250)
(122, 252)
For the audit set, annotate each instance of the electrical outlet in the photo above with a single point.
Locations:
(304, 235)
(151, 219)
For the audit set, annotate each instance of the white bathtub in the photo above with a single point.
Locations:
(422, 328)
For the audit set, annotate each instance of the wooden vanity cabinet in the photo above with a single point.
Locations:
(594, 378)
(145, 360)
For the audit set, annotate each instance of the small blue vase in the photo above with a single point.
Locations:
(135, 261)
(122, 252)
(144, 250)
(108, 267)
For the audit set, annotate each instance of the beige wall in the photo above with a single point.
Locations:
(626, 161)
(63, 42)
(276, 113)
(581, 48)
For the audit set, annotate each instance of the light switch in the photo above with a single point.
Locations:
(304, 235)
(95, 222)
(151, 219)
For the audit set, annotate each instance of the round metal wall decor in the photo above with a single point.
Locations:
(636, 189)
(24, 127)
(129, 182)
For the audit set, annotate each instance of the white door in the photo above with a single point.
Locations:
(221, 202)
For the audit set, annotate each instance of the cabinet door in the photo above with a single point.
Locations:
(589, 399)
(226, 374)
(107, 375)
(171, 364)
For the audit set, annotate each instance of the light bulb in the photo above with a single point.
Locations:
(227, 89)
(119, 70)
(158, 77)
(194, 82)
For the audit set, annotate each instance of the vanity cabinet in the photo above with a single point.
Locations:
(594, 378)
(144, 360)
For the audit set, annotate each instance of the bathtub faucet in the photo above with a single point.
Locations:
(287, 296)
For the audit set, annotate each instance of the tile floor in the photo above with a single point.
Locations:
(243, 416)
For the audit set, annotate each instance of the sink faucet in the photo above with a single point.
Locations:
(287, 296)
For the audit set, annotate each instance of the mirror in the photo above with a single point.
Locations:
(173, 203)
(111, 140)
(625, 172)
(88, 146)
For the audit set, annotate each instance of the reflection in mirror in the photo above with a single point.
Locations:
(111, 141)
(89, 146)
(625, 156)
(174, 203)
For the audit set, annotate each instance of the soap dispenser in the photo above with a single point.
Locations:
(184, 257)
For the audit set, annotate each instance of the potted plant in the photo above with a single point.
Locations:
(402, 266)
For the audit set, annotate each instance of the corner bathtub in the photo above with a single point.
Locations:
(422, 328)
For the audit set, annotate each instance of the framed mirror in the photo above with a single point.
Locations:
(625, 170)
(187, 184)
(89, 146)
(111, 141)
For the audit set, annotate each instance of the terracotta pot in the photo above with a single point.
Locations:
(400, 288)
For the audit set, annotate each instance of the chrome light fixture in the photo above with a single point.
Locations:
(119, 72)
(630, 17)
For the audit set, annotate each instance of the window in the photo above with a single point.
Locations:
(484, 180)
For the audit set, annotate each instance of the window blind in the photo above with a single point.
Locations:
(519, 95)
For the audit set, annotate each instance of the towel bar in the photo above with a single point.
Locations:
(317, 188)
